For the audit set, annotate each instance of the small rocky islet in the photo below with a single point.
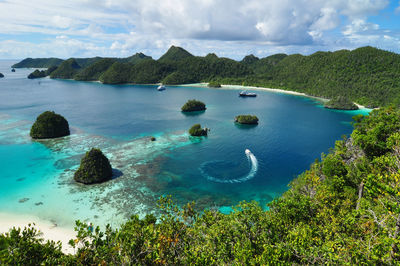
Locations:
(49, 125)
(94, 168)
(246, 119)
(197, 131)
(193, 106)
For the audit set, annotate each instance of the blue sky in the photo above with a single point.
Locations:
(230, 28)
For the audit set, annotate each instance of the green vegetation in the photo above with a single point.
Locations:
(197, 131)
(1, 75)
(94, 71)
(136, 58)
(51, 70)
(367, 75)
(175, 54)
(67, 70)
(38, 63)
(193, 105)
(149, 72)
(246, 119)
(118, 73)
(344, 210)
(341, 103)
(37, 74)
(41, 73)
(213, 84)
(94, 168)
(49, 125)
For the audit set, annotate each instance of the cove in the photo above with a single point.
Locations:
(36, 177)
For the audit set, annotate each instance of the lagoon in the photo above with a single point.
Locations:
(36, 177)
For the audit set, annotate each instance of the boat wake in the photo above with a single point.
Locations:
(253, 171)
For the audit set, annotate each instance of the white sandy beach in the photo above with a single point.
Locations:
(240, 87)
(49, 230)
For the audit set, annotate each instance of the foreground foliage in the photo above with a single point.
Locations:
(344, 210)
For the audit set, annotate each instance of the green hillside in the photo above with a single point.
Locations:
(134, 59)
(67, 70)
(38, 63)
(367, 75)
(174, 54)
(94, 71)
(117, 73)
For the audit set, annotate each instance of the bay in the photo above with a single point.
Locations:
(36, 177)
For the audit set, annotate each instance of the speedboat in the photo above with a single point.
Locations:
(247, 152)
(161, 88)
(247, 94)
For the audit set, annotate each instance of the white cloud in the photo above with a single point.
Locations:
(125, 26)
(277, 21)
(359, 26)
(61, 22)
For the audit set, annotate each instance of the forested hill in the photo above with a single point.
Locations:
(366, 75)
(344, 210)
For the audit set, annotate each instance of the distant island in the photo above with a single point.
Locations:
(340, 103)
(361, 74)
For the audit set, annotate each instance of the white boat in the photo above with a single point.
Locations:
(161, 88)
(247, 94)
(247, 152)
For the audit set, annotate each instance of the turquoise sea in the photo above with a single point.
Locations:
(36, 177)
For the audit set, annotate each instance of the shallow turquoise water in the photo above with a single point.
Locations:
(36, 177)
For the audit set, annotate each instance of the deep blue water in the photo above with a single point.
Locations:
(292, 133)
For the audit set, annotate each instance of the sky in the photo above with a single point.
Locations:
(229, 28)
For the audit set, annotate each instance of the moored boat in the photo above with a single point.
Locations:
(247, 94)
(161, 88)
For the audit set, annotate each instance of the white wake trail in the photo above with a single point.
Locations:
(253, 171)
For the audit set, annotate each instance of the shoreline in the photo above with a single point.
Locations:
(240, 87)
(236, 87)
(49, 230)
